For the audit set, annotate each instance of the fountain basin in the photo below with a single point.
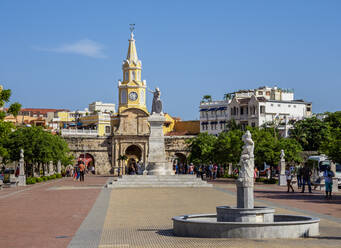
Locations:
(251, 215)
(283, 226)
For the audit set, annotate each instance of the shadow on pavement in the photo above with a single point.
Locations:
(316, 198)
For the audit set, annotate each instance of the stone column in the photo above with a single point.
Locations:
(282, 180)
(59, 167)
(245, 198)
(22, 176)
(230, 169)
(157, 163)
(51, 170)
(335, 179)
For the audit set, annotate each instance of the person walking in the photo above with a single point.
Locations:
(299, 176)
(289, 174)
(306, 173)
(328, 180)
(81, 171)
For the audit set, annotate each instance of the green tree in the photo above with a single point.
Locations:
(310, 133)
(292, 150)
(201, 148)
(331, 146)
(266, 147)
(228, 147)
(207, 98)
(39, 146)
(6, 127)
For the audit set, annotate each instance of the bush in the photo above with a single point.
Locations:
(271, 181)
(260, 179)
(52, 177)
(44, 178)
(39, 179)
(59, 175)
(30, 180)
(230, 176)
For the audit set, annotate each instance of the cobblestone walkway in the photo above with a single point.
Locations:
(142, 218)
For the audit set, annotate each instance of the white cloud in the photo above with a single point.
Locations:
(84, 47)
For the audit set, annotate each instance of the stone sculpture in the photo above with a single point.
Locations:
(282, 177)
(245, 178)
(247, 161)
(22, 176)
(157, 104)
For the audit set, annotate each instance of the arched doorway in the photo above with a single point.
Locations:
(89, 161)
(134, 155)
(180, 163)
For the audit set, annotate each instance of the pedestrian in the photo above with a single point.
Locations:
(191, 169)
(328, 180)
(201, 172)
(215, 170)
(306, 174)
(299, 176)
(289, 174)
(81, 171)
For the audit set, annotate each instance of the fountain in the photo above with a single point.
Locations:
(245, 220)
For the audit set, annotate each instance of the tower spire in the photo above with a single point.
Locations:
(132, 54)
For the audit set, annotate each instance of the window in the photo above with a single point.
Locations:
(272, 104)
(289, 106)
(241, 110)
(308, 109)
(123, 96)
(253, 124)
(294, 106)
(268, 93)
(133, 75)
(278, 105)
(262, 109)
(107, 129)
(126, 76)
(260, 93)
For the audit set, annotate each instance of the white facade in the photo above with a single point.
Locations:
(255, 108)
(213, 116)
(102, 107)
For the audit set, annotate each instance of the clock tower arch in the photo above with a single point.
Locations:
(132, 90)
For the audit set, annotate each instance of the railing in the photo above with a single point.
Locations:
(79, 132)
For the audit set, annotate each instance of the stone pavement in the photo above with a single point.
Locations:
(40, 215)
(142, 218)
(64, 213)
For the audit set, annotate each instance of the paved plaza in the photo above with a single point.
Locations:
(64, 213)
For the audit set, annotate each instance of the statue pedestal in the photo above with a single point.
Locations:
(157, 163)
(22, 180)
(244, 196)
(22, 176)
(282, 180)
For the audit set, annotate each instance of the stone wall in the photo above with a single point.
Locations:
(101, 148)
(98, 147)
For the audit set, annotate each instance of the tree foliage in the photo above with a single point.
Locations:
(331, 146)
(39, 146)
(310, 133)
(201, 148)
(227, 147)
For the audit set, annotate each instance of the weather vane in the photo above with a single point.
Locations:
(132, 27)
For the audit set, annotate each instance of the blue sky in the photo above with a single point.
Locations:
(67, 54)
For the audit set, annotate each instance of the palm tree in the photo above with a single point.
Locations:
(207, 98)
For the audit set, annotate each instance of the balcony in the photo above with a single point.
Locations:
(79, 132)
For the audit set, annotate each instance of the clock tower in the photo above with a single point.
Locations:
(132, 90)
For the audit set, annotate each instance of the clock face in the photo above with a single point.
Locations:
(133, 96)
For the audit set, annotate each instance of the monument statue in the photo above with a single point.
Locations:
(22, 175)
(282, 154)
(247, 161)
(157, 104)
(282, 179)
